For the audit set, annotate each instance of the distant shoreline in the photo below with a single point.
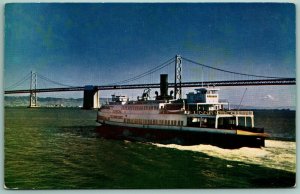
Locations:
(49, 102)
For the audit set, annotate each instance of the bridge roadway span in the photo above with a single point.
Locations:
(284, 81)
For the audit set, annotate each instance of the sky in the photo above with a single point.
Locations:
(97, 44)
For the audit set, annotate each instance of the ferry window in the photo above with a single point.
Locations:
(181, 123)
(168, 122)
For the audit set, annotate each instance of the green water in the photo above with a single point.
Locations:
(61, 149)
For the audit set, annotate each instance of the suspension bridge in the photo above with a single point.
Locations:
(91, 92)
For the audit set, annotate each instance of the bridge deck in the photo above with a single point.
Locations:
(284, 81)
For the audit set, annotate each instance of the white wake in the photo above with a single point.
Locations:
(276, 154)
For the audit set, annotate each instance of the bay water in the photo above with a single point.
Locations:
(60, 148)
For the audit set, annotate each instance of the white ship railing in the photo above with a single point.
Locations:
(222, 112)
(233, 112)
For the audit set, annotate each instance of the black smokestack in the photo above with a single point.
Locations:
(163, 85)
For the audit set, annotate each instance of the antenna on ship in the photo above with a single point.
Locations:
(202, 76)
(242, 99)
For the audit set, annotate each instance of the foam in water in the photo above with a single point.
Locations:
(276, 154)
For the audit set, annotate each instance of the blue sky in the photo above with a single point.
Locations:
(80, 44)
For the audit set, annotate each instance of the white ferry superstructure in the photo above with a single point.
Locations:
(200, 112)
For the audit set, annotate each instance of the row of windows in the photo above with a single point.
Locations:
(139, 107)
(154, 122)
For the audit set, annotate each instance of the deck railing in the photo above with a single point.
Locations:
(223, 112)
(235, 112)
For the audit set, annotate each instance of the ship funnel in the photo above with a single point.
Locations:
(163, 85)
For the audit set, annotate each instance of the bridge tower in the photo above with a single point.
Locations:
(33, 85)
(90, 97)
(178, 73)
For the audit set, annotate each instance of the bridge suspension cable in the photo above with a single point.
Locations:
(20, 82)
(54, 82)
(153, 70)
(232, 72)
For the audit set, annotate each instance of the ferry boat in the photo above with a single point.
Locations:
(201, 113)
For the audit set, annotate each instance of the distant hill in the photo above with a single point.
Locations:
(262, 107)
(14, 101)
